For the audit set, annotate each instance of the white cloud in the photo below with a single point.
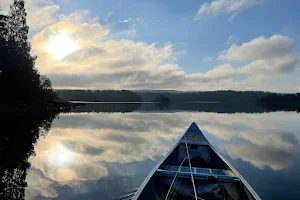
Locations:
(76, 17)
(130, 20)
(86, 146)
(218, 74)
(226, 6)
(106, 59)
(260, 48)
(123, 34)
(260, 157)
(44, 12)
(81, 141)
(233, 16)
(108, 16)
(278, 65)
(39, 185)
(232, 39)
(40, 13)
(104, 62)
(267, 56)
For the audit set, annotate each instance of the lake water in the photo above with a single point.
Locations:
(104, 151)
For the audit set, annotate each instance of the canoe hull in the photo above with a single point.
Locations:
(211, 173)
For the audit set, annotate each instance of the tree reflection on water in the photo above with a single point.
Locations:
(19, 133)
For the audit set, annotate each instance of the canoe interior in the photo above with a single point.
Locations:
(213, 178)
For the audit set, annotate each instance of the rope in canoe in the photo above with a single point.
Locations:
(175, 178)
(192, 177)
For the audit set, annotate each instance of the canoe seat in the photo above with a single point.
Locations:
(200, 151)
(198, 173)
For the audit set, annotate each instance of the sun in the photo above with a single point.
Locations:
(60, 46)
(61, 157)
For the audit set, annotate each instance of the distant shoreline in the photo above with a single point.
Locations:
(138, 102)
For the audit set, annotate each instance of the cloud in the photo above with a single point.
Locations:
(280, 65)
(260, 48)
(108, 16)
(130, 20)
(76, 17)
(74, 154)
(45, 12)
(39, 185)
(36, 10)
(226, 6)
(130, 33)
(89, 146)
(105, 60)
(260, 157)
(232, 39)
(268, 56)
(233, 16)
(81, 141)
(109, 63)
(109, 59)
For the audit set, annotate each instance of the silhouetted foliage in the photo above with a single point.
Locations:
(162, 99)
(108, 107)
(172, 107)
(280, 102)
(211, 96)
(20, 132)
(126, 96)
(99, 95)
(20, 82)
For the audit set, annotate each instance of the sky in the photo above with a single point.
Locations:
(174, 45)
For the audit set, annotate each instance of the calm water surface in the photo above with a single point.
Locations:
(102, 155)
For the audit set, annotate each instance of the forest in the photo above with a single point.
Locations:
(210, 96)
(20, 81)
(161, 96)
(280, 99)
(280, 102)
(99, 95)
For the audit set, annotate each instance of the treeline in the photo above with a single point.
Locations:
(20, 81)
(280, 102)
(100, 95)
(160, 96)
(162, 99)
(172, 107)
(209, 96)
(280, 99)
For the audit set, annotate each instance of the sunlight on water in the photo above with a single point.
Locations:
(105, 154)
(61, 158)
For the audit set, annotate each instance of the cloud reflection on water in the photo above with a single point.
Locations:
(82, 146)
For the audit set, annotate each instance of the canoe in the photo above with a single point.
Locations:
(193, 169)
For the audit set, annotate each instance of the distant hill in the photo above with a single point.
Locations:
(150, 95)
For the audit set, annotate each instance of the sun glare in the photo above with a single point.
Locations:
(61, 46)
(61, 158)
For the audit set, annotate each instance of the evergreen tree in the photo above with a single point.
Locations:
(20, 81)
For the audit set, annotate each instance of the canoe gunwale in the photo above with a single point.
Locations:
(143, 185)
(249, 189)
(246, 184)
